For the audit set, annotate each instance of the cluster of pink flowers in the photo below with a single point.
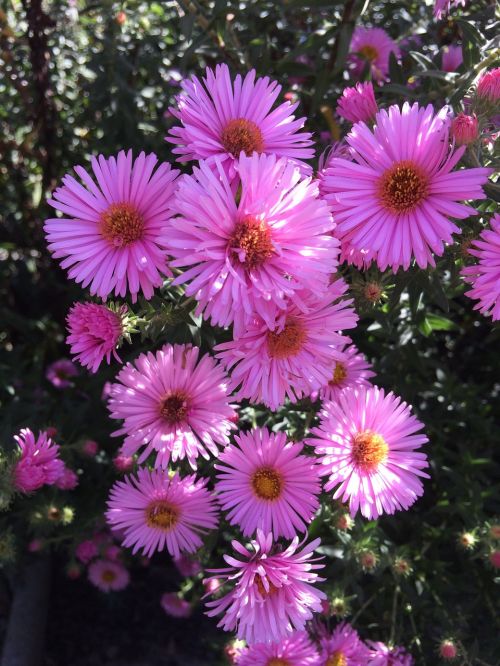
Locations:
(104, 561)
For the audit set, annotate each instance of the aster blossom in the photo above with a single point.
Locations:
(367, 442)
(273, 593)
(372, 45)
(173, 402)
(60, 372)
(358, 103)
(343, 648)
(220, 119)
(264, 482)
(175, 606)
(296, 650)
(353, 371)
(384, 655)
(397, 193)
(155, 511)
(244, 259)
(108, 576)
(39, 463)
(109, 239)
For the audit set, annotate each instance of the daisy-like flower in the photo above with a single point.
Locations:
(109, 238)
(442, 7)
(108, 576)
(395, 197)
(485, 275)
(353, 371)
(172, 402)
(68, 480)
(175, 606)
(60, 372)
(343, 648)
(39, 462)
(383, 655)
(264, 482)
(221, 119)
(358, 103)
(372, 45)
(296, 357)
(452, 58)
(246, 258)
(273, 593)
(297, 650)
(154, 511)
(367, 442)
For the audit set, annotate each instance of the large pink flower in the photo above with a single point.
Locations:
(222, 120)
(353, 371)
(39, 462)
(485, 275)
(110, 235)
(174, 403)
(296, 357)
(60, 372)
(273, 593)
(397, 194)
(373, 46)
(367, 442)
(246, 257)
(296, 650)
(155, 511)
(264, 482)
(343, 648)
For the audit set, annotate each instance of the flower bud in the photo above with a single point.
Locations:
(464, 129)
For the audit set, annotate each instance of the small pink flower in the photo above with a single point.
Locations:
(383, 655)
(68, 480)
(464, 129)
(108, 576)
(373, 46)
(123, 463)
(90, 448)
(295, 650)
(51, 432)
(488, 86)
(113, 553)
(494, 558)
(353, 371)
(186, 565)
(86, 551)
(60, 373)
(344, 647)
(39, 463)
(175, 606)
(358, 103)
(451, 58)
(448, 650)
(212, 585)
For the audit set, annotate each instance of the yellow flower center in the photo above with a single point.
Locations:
(336, 659)
(369, 450)
(262, 590)
(267, 483)
(174, 407)
(253, 236)
(244, 135)
(278, 661)
(402, 187)
(339, 374)
(369, 52)
(287, 342)
(162, 515)
(121, 224)
(108, 576)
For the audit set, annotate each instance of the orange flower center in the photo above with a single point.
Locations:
(121, 224)
(252, 242)
(162, 515)
(402, 187)
(267, 483)
(277, 661)
(336, 659)
(174, 407)
(339, 374)
(262, 590)
(244, 135)
(108, 576)
(369, 450)
(369, 52)
(287, 342)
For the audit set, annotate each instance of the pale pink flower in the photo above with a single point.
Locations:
(358, 103)
(383, 655)
(451, 58)
(86, 551)
(68, 480)
(60, 372)
(38, 464)
(108, 576)
(373, 46)
(175, 606)
(464, 129)
(343, 647)
(295, 650)
(354, 370)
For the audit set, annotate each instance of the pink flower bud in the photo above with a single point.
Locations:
(494, 558)
(448, 649)
(90, 448)
(488, 86)
(464, 129)
(123, 463)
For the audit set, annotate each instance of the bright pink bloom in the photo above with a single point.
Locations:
(38, 464)
(123, 463)
(396, 196)
(175, 606)
(94, 333)
(353, 371)
(186, 565)
(246, 258)
(442, 7)
(108, 576)
(294, 359)
(264, 482)
(86, 551)
(373, 46)
(367, 442)
(494, 558)
(90, 448)
(358, 103)
(60, 373)
(172, 402)
(296, 650)
(156, 511)
(383, 655)
(488, 86)
(464, 129)
(68, 480)
(111, 237)
(273, 593)
(221, 119)
(448, 650)
(485, 275)
(344, 647)
(451, 58)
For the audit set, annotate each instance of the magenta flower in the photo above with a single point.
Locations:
(296, 357)
(174, 403)
(222, 120)
(485, 275)
(442, 7)
(373, 46)
(60, 372)
(488, 86)
(108, 576)
(273, 593)
(358, 103)
(95, 331)
(367, 442)
(175, 606)
(343, 648)
(264, 482)
(86, 551)
(353, 371)
(383, 655)
(155, 511)
(451, 58)
(68, 480)
(465, 129)
(39, 462)
(295, 650)
(397, 194)
(247, 258)
(110, 239)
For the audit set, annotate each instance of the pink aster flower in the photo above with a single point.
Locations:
(343, 648)
(353, 371)
(264, 482)
(451, 58)
(68, 480)
(273, 593)
(39, 462)
(465, 129)
(488, 86)
(383, 655)
(86, 551)
(221, 120)
(246, 258)
(442, 7)
(94, 333)
(296, 356)
(397, 194)
(90, 448)
(367, 442)
(485, 275)
(358, 103)
(175, 606)
(110, 237)
(186, 565)
(296, 650)
(123, 463)
(60, 372)
(172, 402)
(372, 45)
(108, 576)
(155, 511)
